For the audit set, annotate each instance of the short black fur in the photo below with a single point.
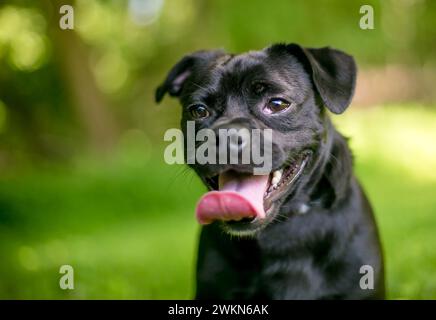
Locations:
(323, 230)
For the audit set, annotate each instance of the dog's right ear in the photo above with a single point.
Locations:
(183, 69)
(333, 73)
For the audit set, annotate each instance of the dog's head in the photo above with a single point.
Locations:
(284, 88)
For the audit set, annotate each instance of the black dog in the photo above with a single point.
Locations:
(316, 228)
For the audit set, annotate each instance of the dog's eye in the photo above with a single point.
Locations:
(276, 105)
(198, 111)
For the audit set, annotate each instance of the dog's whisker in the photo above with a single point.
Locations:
(179, 174)
(198, 86)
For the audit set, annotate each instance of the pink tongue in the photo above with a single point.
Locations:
(240, 196)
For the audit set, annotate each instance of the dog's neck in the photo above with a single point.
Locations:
(329, 181)
(335, 173)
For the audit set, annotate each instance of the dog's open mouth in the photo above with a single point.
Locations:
(239, 198)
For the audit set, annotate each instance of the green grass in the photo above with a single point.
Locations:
(119, 224)
(127, 226)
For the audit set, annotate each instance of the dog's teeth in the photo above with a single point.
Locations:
(277, 175)
(274, 181)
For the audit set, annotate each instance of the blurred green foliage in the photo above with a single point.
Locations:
(82, 176)
(61, 91)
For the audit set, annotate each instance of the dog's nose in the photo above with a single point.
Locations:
(235, 137)
(238, 139)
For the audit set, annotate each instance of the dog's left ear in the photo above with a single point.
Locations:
(182, 70)
(333, 73)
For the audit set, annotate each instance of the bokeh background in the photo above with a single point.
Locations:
(82, 176)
